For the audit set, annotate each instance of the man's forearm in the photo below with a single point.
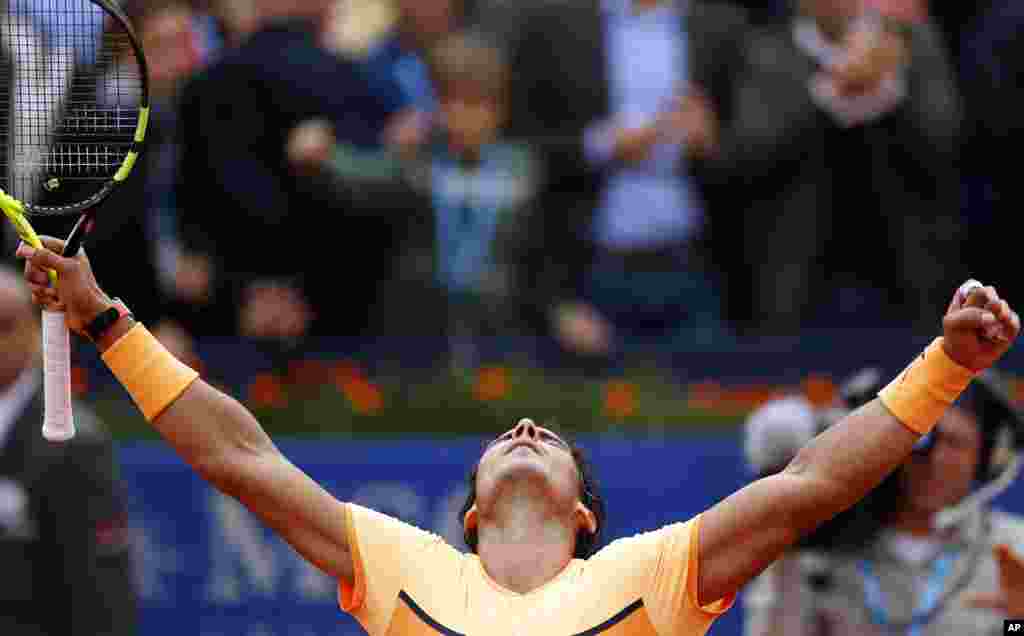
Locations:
(206, 427)
(844, 463)
(752, 528)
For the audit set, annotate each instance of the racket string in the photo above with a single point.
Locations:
(71, 105)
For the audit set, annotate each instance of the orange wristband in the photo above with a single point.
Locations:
(922, 394)
(151, 375)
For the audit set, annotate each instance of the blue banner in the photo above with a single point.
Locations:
(206, 566)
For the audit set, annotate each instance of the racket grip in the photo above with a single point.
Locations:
(58, 420)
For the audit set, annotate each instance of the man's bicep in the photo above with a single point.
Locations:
(745, 533)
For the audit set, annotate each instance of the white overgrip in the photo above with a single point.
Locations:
(58, 420)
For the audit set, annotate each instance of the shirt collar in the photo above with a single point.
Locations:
(14, 399)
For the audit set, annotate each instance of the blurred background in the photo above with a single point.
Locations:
(392, 227)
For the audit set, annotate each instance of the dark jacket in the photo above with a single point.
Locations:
(66, 552)
(238, 200)
(875, 202)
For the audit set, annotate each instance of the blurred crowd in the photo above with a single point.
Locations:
(601, 175)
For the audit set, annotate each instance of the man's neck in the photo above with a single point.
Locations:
(522, 545)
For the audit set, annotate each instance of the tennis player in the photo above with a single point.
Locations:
(531, 497)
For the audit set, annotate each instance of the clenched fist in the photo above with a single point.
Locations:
(979, 326)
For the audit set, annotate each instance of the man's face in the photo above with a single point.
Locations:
(427, 20)
(945, 475)
(170, 35)
(470, 119)
(532, 454)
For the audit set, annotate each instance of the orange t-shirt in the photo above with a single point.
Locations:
(409, 582)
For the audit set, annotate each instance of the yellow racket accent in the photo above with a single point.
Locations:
(126, 166)
(140, 136)
(15, 213)
(140, 128)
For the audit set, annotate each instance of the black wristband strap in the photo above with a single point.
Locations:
(101, 323)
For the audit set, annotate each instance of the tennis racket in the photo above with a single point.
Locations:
(73, 118)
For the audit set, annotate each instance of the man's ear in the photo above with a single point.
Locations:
(585, 518)
(471, 519)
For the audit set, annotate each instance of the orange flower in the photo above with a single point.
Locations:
(366, 398)
(620, 399)
(820, 390)
(266, 391)
(491, 383)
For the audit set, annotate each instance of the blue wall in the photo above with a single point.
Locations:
(207, 567)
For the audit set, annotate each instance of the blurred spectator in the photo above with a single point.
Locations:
(225, 24)
(140, 222)
(59, 28)
(844, 148)
(357, 26)
(922, 554)
(399, 52)
(64, 538)
(419, 25)
(464, 205)
(991, 64)
(242, 215)
(37, 74)
(627, 120)
(958, 21)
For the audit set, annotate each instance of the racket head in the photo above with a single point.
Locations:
(75, 107)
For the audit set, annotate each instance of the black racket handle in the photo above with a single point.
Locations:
(78, 234)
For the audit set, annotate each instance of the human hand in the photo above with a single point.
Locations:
(274, 310)
(633, 145)
(309, 146)
(979, 326)
(1009, 600)
(77, 293)
(192, 277)
(872, 55)
(580, 328)
(407, 132)
(692, 121)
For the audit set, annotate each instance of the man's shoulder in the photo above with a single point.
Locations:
(633, 545)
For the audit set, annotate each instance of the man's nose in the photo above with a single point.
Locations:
(526, 428)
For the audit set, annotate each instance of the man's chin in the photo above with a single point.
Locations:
(522, 463)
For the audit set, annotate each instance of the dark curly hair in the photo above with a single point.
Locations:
(586, 543)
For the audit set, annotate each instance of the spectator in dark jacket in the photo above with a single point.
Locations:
(64, 535)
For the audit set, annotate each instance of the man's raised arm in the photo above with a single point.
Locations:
(746, 532)
(213, 432)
